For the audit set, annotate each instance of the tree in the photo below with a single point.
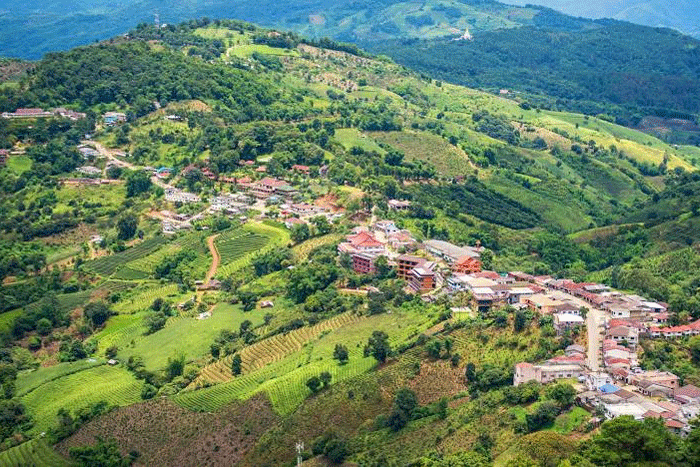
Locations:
(300, 232)
(340, 353)
(236, 365)
(520, 321)
(137, 183)
(325, 378)
(405, 402)
(336, 451)
(155, 321)
(470, 372)
(623, 441)
(175, 366)
(322, 225)
(378, 346)
(434, 347)
(44, 326)
(543, 416)
(313, 383)
(382, 268)
(102, 454)
(563, 394)
(97, 312)
(127, 226)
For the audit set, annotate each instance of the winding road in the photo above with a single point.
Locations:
(216, 259)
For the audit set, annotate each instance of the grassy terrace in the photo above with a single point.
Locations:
(294, 358)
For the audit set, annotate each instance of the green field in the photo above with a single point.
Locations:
(238, 246)
(7, 318)
(292, 361)
(189, 336)
(33, 453)
(108, 265)
(142, 298)
(19, 164)
(29, 380)
(114, 385)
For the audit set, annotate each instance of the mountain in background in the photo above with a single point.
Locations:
(681, 15)
(30, 29)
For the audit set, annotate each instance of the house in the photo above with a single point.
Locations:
(178, 196)
(541, 303)
(449, 252)
(290, 222)
(627, 334)
(69, 114)
(546, 372)
(305, 169)
(467, 265)
(405, 263)
(89, 170)
(27, 113)
(423, 278)
(363, 263)
(564, 321)
(4, 154)
(484, 298)
(385, 227)
(687, 394)
(398, 205)
(113, 118)
(363, 242)
(400, 239)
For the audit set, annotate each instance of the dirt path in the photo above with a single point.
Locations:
(216, 259)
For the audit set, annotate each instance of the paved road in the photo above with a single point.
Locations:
(595, 324)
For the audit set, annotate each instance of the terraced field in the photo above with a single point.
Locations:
(28, 381)
(7, 318)
(34, 453)
(114, 385)
(271, 350)
(120, 331)
(282, 367)
(149, 262)
(141, 300)
(237, 246)
(108, 265)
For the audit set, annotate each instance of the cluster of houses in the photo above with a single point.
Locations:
(41, 113)
(644, 394)
(423, 273)
(622, 388)
(179, 196)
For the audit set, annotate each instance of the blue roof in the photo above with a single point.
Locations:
(608, 388)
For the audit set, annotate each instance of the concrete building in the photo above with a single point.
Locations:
(545, 373)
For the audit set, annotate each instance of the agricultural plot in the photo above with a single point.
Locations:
(108, 265)
(120, 331)
(28, 381)
(35, 453)
(284, 379)
(302, 250)
(237, 246)
(114, 385)
(189, 336)
(148, 263)
(140, 300)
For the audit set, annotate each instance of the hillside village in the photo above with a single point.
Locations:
(324, 247)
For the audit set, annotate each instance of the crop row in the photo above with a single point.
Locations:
(142, 300)
(107, 265)
(34, 453)
(275, 348)
(114, 385)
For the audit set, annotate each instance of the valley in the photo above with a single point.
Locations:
(219, 240)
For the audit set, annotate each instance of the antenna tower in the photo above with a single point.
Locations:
(300, 447)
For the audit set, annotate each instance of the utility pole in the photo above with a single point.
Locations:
(300, 447)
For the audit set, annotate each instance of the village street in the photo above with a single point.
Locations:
(595, 324)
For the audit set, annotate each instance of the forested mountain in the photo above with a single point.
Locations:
(176, 206)
(680, 15)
